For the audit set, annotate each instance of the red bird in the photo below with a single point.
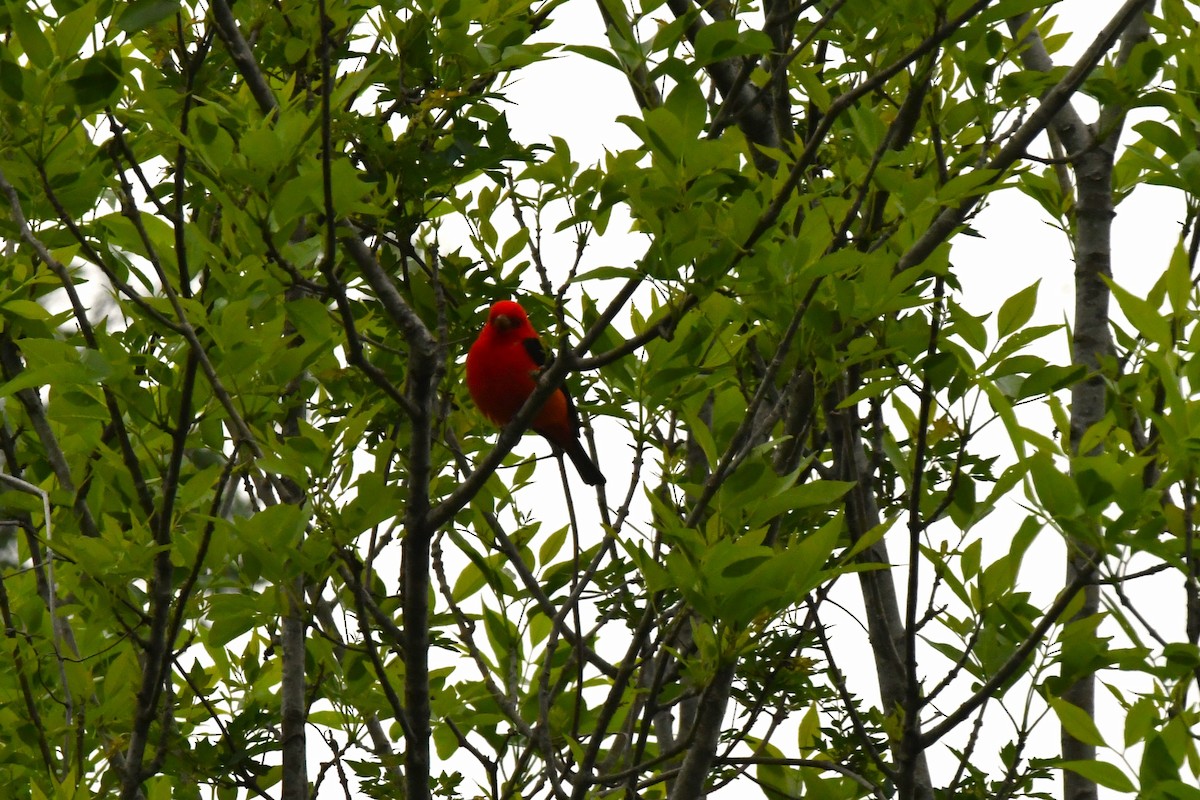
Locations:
(502, 371)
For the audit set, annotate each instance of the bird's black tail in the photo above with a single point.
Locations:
(584, 465)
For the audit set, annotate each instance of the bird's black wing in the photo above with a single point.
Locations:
(533, 346)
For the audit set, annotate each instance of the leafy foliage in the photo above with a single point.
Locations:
(251, 518)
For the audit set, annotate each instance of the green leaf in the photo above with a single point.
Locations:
(969, 327)
(972, 556)
(295, 50)
(726, 39)
(809, 732)
(121, 678)
(552, 546)
(98, 80)
(1107, 775)
(702, 436)
(74, 29)
(1165, 138)
(1049, 379)
(686, 101)
(1158, 764)
(599, 54)
(347, 185)
(1175, 790)
(55, 364)
(12, 77)
(469, 581)
(444, 740)
(1182, 654)
(30, 35)
(490, 569)
(1189, 172)
(1010, 8)
(276, 531)
(779, 781)
(1017, 310)
(502, 633)
(809, 556)
(655, 576)
(1015, 87)
(514, 244)
(311, 320)
(1055, 488)
(142, 14)
(1146, 318)
(1140, 720)
(814, 87)
(231, 615)
(25, 309)
(1178, 280)
(1076, 722)
(968, 184)
(815, 494)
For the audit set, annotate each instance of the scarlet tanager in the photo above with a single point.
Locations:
(502, 371)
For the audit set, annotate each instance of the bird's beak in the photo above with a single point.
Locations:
(503, 322)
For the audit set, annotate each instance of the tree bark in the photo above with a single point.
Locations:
(1091, 150)
(885, 624)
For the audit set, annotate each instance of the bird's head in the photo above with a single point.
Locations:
(506, 315)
